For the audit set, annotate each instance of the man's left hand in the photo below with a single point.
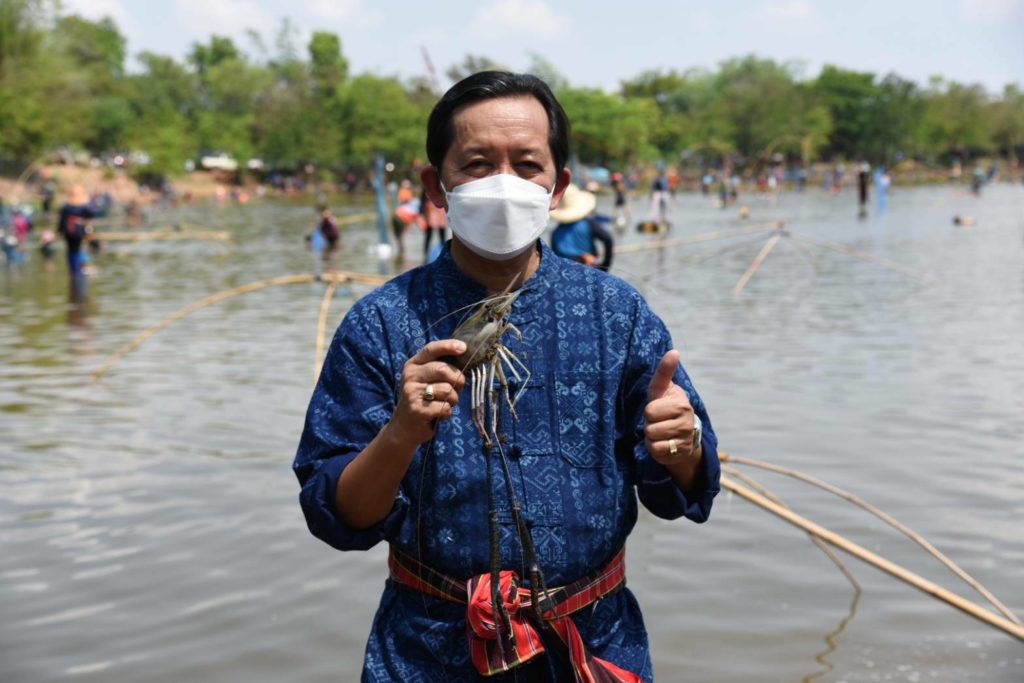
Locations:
(669, 417)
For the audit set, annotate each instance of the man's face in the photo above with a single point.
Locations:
(501, 135)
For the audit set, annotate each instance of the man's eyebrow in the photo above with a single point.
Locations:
(484, 149)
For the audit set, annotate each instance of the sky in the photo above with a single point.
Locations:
(600, 43)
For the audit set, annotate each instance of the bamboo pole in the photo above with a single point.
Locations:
(321, 327)
(888, 519)
(335, 278)
(689, 239)
(162, 235)
(891, 568)
(758, 260)
(343, 276)
(355, 217)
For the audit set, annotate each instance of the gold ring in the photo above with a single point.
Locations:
(428, 393)
(672, 447)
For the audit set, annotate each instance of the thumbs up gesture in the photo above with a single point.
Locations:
(669, 431)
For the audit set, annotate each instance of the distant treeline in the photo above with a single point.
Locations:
(63, 85)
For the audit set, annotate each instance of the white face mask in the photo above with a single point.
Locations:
(498, 217)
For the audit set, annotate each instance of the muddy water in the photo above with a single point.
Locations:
(149, 529)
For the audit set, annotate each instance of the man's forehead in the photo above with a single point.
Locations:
(521, 115)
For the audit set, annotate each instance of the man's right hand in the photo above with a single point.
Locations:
(416, 415)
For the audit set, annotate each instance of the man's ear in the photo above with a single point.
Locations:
(431, 179)
(564, 178)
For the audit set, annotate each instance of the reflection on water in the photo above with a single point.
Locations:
(831, 641)
(149, 521)
(830, 637)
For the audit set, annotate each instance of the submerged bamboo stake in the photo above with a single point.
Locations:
(321, 327)
(149, 235)
(355, 217)
(689, 239)
(867, 256)
(891, 568)
(758, 260)
(343, 276)
(888, 519)
(192, 308)
(335, 278)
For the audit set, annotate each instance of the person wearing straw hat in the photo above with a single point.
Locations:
(73, 226)
(579, 231)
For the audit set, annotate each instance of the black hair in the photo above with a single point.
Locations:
(486, 85)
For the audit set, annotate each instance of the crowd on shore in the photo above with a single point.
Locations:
(30, 210)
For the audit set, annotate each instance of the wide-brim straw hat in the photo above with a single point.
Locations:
(576, 204)
(78, 196)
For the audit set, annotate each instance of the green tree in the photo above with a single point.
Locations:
(330, 68)
(472, 64)
(849, 96)
(44, 96)
(386, 119)
(21, 32)
(894, 115)
(761, 101)
(609, 129)
(96, 46)
(1007, 117)
(163, 100)
(658, 84)
(224, 122)
(97, 50)
(205, 57)
(955, 119)
(291, 126)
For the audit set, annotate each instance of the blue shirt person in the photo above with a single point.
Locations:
(73, 226)
(882, 181)
(539, 502)
(580, 230)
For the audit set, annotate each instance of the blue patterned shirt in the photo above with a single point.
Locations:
(576, 453)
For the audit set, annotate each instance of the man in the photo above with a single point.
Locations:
(73, 226)
(328, 228)
(603, 411)
(579, 230)
(660, 196)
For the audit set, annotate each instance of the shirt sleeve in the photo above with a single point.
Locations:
(658, 492)
(353, 399)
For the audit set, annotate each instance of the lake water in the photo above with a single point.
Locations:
(149, 526)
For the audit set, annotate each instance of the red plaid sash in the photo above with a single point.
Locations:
(498, 647)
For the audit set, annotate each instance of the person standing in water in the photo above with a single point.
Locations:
(507, 530)
(623, 216)
(863, 178)
(579, 231)
(435, 221)
(73, 226)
